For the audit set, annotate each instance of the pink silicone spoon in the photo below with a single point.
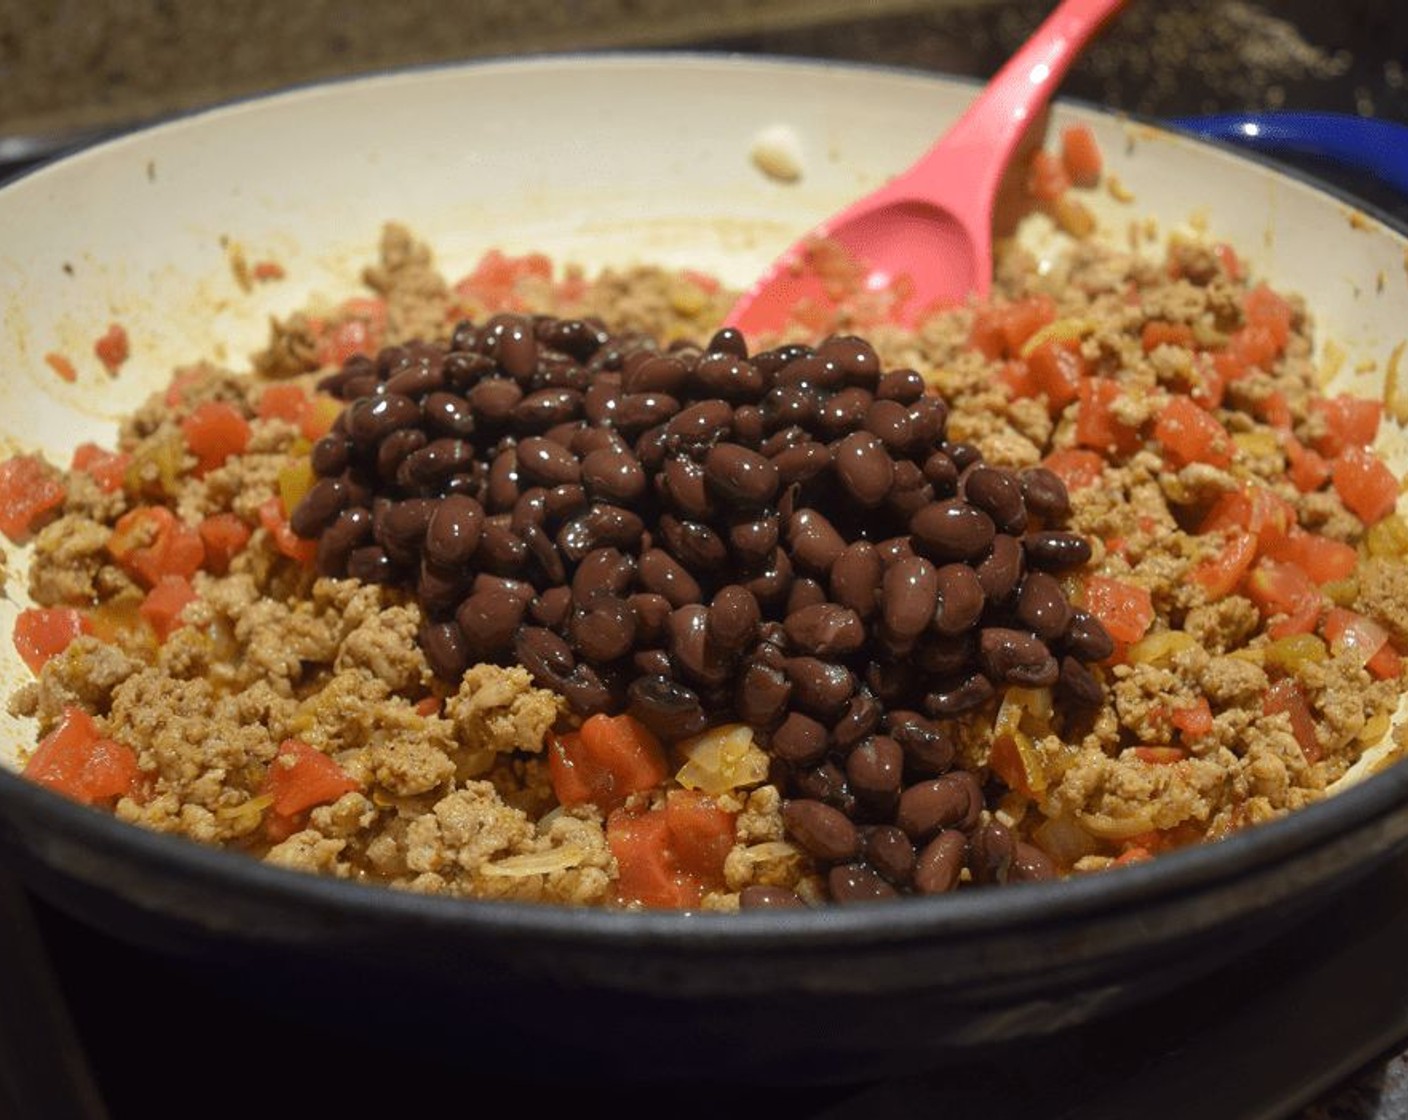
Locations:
(931, 226)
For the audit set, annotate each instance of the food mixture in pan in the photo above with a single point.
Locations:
(539, 586)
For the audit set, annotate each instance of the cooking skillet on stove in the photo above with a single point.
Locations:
(608, 160)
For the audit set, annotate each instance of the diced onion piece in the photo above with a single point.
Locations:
(1070, 330)
(535, 863)
(1064, 840)
(722, 759)
(1295, 650)
(1388, 537)
(1111, 828)
(1160, 646)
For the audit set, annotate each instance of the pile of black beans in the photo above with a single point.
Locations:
(696, 536)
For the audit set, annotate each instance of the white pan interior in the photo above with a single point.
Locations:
(599, 160)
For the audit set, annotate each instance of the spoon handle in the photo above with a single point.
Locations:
(996, 122)
(1378, 148)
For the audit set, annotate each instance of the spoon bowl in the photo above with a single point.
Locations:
(925, 237)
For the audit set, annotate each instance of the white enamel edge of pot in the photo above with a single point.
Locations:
(607, 160)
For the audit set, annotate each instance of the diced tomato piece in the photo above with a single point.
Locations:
(1228, 260)
(1319, 557)
(1195, 720)
(1125, 609)
(1307, 470)
(1057, 369)
(224, 536)
(282, 402)
(182, 381)
(1190, 435)
(1284, 593)
(1252, 508)
(1080, 155)
(267, 270)
(1046, 178)
(30, 489)
(113, 348)
(301, 776)
(214, 431)
(358, 331)
(149, 542)
(1158, 333)
(1275, 410)
(1210, 385)
(61, 366)
(1285, 696)
(288, 543)
(701, 834)
(999, 330)
(1221, 573)
(164, 603)
(607, 760)
(1017, 376)
(318, 419)
(1350, 421)
(45, 632)
(1267, 309)
(107, 468)
(1096, 425)
(1364, 483)
(647, 871)
(1159, 756)
(496, 276)
(75, 761)
(1254, 345)
(1075, 466)
(1367, 640)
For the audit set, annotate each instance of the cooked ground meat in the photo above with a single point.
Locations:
(297, 719)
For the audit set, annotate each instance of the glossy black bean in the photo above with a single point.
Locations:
(351, 529)
(823, 832)
(488, 620)
(1055, 551)
(669, 709)
(318, 508)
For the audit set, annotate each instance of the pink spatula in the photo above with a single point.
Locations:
(929, 229)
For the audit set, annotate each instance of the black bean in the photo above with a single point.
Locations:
(856, 576)
(500, 551)
(370, 564)
(1030, 864)
(487, 621)
(751, 540)
(373, 418)
(902, 385)
(699, 424)
(909, 596)
(1086, 637)
(667, 708)
(1016, 657)
(454, 529)
(822, 831)
(825, 629)
(1042, 606)
(494, 399)
(444, 649)
(601, 526)
(733, 619)
(613, 475)
(843, 412)
(662, 574)
(961, 599)
(543, 408)
(682, 484)
(1000, 571)
(604, 628)
(820, 688)
(958, 696)
(740, 477)
(330, 455)
(758, 897)
(801, 462)
(448, 414)
(552, 608)
(1077, 685)
(814, 541)
(889, 851)
(728, 376)
(927, 746)
(952, 529)
(547, 463)
(997, 493)
(353, 527)
(864, 468)
(1045, 494)
(318, 508)
(1055, 551)
(855, 357)
(874, 770)
(858, 883)
(762, 693)
(693, 544)
(690, 646)
(544, 654)
(990, 850)
(940, 864)
(658, 373)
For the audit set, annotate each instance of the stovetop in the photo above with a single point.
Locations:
(1260, 1039)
